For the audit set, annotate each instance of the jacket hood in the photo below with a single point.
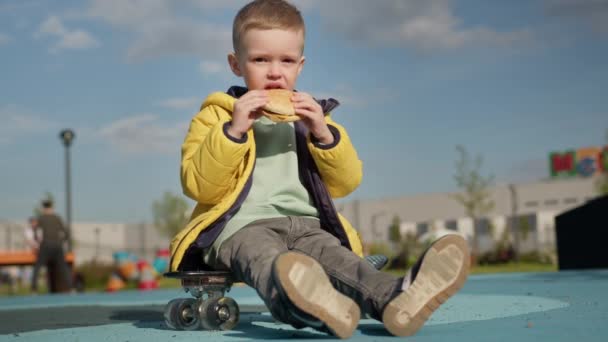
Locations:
(220, 99)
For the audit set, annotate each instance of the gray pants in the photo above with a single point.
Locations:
(250, 254)
(51, 256)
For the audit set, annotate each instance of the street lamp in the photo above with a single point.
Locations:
(514, 220)
(97, 231)
(67, 137)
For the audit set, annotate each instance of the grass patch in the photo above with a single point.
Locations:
(512, 267)
(165, 283)
(95, 284)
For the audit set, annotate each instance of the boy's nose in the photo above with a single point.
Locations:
(274, 71)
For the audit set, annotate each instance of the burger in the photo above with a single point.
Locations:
(279, 107)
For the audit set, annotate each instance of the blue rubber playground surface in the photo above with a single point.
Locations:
(556, 306)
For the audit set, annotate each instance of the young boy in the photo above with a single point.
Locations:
(265, 189)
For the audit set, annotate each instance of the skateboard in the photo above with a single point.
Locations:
(210, 309)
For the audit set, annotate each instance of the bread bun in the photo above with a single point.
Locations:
(279, 107)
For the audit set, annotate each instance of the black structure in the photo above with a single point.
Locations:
(67, 137)
(581, 234)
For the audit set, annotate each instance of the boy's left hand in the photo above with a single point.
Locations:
(313, 117)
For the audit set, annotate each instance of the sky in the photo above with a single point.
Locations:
(511, 81)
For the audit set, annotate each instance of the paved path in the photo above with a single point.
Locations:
(560, 306)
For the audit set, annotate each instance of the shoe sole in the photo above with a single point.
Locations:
(307, 286)
(443, 272)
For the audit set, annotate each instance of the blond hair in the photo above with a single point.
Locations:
(266, 15)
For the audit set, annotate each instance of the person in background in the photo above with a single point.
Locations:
(31, 240)
(51, 253)
(32, 235)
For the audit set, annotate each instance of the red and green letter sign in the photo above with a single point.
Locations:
(562, 164)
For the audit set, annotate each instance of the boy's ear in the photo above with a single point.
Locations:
(233, 61)
(301, 64)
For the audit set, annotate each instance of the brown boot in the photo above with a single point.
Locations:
(305, 284)
(439, 274)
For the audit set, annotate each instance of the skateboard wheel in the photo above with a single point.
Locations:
(185, 315)
(219, 314)
(169, 315)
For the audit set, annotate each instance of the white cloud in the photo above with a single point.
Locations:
(52, 26)
(235, 5)
(190, 103)
(131, 13)
(68, 39)
(4, 38)
(19, 123)
(180, 38)
(168, 28)
(307, 5)
(160, 31)
(422, 25)
(590, 12)
(213, 67)
(144, 134)
(219, 70)
(208, 5)
(347, 96)
(77, 40)
(15, 6)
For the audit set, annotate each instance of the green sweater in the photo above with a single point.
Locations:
(53, 230)
(276, 190)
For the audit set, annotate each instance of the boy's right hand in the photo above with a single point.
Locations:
(246, 111)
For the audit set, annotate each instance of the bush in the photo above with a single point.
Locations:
(400, 261)
(379, 248)
(95, 274)
(408, 250)
(501, 254)
(536, 257)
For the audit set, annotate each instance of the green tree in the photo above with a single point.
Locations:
(524, 227)
(475, 195)
(394, 232)
(602, 184)
(602, 181)
(170, 213)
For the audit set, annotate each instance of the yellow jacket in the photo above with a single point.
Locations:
(216, 172)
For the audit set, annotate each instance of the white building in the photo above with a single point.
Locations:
(534, 204)
(96, 240)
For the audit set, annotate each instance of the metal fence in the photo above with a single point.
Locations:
(95, 241)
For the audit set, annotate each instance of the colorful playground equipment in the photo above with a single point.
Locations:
(130, 268)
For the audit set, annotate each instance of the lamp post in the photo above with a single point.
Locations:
(97, 231)
(67, 137)
(514, 220)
